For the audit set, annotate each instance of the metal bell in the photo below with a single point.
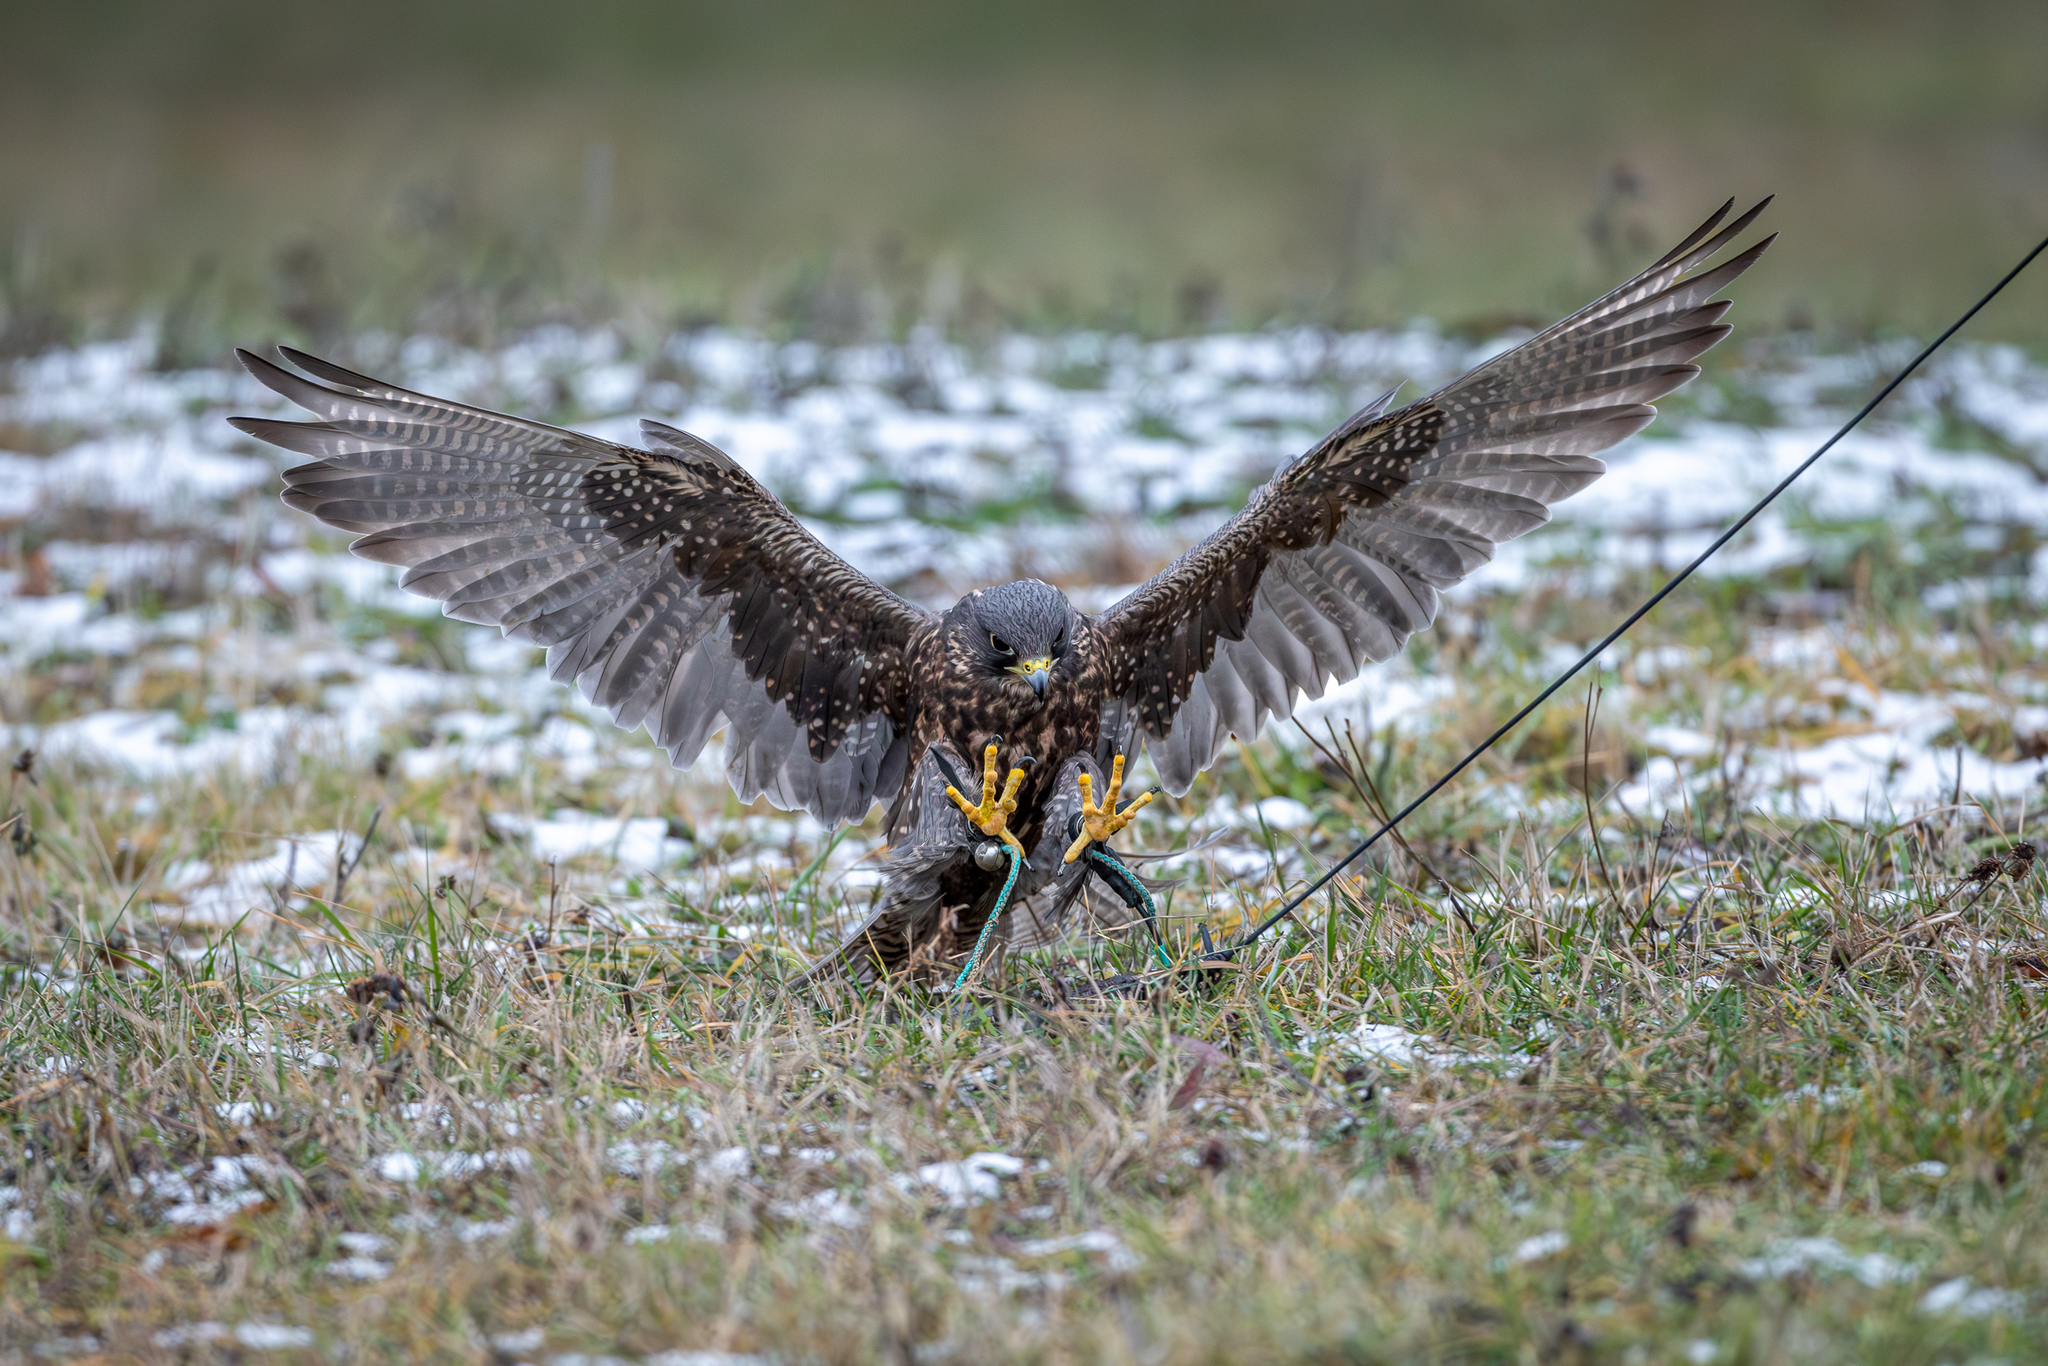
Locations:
(989, 856)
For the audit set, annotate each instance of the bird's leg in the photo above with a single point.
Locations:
(1100, 822)
(993, 815)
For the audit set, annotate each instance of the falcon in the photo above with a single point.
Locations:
(678, 594)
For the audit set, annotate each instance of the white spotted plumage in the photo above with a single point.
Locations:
(675, 591)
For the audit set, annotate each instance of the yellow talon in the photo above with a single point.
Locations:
(993, 815)
(1100, 822)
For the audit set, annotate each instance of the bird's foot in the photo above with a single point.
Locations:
(993, 815)
(1100, 822)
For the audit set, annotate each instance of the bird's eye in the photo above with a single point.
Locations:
(997, 644)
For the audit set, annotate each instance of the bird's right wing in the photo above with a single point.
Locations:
(671, 587)
(1339, 559)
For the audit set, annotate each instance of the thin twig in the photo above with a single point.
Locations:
(344, 866)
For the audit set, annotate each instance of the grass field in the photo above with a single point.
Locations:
(368, 998)
(365, 996)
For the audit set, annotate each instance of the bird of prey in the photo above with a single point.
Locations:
(680, 595)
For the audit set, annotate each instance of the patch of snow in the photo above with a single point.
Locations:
(359, 1268)
(995, 1277)
(262, 1337)
(641, 842)
(184, 1334)
(1796, 1255)
(311, 1057)
(825, 1209)
(205, 1192)
(1242, 863)
(296, 863)
(449, 1166)
(1285, 813)
(1099, 1242)
(18, 1221)
(729, 1164)
(1536, 1248)
(483, 1230)
(1891, 768)
(1392, 1044)
(243, 1113)
(969, 1181)
(1678, 741)
(512, 1344)
(257, 1337)
(1963, 1297)
(67, 1346)
(703, 1231)
(633, 1157)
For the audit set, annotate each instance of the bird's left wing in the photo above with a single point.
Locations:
(1338, 560)
(671, 587)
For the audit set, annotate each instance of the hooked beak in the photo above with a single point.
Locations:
(1036, 672)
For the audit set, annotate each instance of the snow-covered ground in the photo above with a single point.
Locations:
(162, 613)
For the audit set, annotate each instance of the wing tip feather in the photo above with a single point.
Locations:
(329, 371)
(1697, 235)
(268, 372)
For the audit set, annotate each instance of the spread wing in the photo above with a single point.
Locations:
(670, 586)
(1334, 563)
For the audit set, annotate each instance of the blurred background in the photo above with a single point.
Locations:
(248, 170)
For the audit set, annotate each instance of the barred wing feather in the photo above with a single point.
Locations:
(1339, 559)
(672, 588)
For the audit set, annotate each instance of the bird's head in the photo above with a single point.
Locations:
(1015, 630)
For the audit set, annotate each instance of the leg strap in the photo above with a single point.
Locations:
(1114, 872)
(995, 914)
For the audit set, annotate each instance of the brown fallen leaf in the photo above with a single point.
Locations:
(1203, 1054)
(1199, 1050)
